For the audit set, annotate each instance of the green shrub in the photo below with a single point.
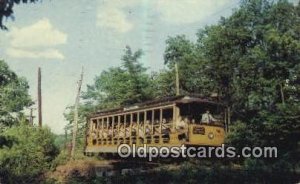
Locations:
(30, 155)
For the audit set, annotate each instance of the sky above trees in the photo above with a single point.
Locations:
(63, 36)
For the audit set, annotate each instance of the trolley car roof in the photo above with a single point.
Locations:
(160, 102)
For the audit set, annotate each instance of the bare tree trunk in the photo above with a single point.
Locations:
(177, 79)
(40, 97)
(75, 123)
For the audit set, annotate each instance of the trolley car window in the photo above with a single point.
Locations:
(105, 122)
(194, 111)
(127, 122)
(156, 116)
(142, 117)
(134, 117)
(168, 114)
(148, 115)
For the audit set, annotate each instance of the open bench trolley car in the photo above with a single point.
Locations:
(155, 123)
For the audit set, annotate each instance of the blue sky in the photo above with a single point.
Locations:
(61, 36)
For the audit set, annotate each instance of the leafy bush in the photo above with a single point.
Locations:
(30, 155)
(61, 159)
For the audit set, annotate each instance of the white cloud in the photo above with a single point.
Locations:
(36, 41)
(47, 53)
(188, 11)
(111, 15)
(40, 34)
(114, 19)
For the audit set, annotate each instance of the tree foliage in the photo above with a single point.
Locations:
(115, 87)
(6, 9)
(253, 57)
(30, 154)
(123, 85)
(191, 63)
(13, 96)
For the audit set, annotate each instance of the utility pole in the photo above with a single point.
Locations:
(177, 79)
(39, 97)
(75, 123)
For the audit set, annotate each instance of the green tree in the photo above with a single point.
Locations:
(260, 42)
(193, 69)
(251, 59)
(138, 89)
(115, 87)
(13, 96)
(178, 50)
(6, 9)
(163, 83)
(248, 61)
(123, 85)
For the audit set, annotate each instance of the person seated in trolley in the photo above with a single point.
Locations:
(147, 128)
(141, 132)
(110, 132)
(207, 117)
(181, 123)
(94, 135)
(133, 129)
(156, 127)
(182, 126)
(104, 133)
(193, 121)
(100, 133)
(121, 131)
(165, 128)
(115, 132)
(127, 130)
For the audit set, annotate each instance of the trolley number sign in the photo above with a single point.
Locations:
(199, 130)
